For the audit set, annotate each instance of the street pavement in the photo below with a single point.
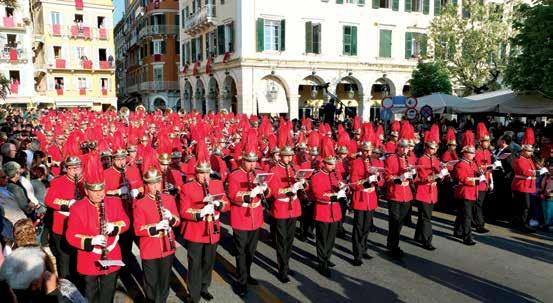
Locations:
(505, 266)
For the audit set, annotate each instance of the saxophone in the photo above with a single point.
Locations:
(160, 212)
(126, 198)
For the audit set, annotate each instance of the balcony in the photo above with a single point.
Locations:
(13, 23)
(80, 32)
(158, 30)
(14, 88)
(202, 19)
(159, 86)
(13, 55)
(106, 65)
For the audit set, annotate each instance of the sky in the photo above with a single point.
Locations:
(118, 11)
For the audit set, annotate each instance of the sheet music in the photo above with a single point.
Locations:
(108, 263)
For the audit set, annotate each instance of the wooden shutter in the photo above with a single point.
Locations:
(408, 5)
(260, 34)
(395, 5)
(437, 7)
(385, 43)
(354, 40)
(361, 2)
(193, 52)
(339, 1)
(230, 41)
(345, 41)
(317, 38)
(423, 40)
(282, 35)
(408, 45)
(162, 47)
(201, 49)
(221, 39)
(308, 37)
(426, 7)
(376, 3)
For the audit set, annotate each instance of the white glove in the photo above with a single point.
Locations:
(302, 181)
(373, 179)
(71, 203)
(491, 186)
(497, 164)
(543, 171)
(123, 190)
(255, 191)
(99, 240)
(109, 228)
(162, 225)
(135, 192)
(444, 172)
(341, 194)
(382, 158)
(297, 186)
(167, 214)
(406, 176)
(342, 185)
(208, 199)
(413, 171)
(263, 187)
(482, 178)
(207, 210)
(216, 203)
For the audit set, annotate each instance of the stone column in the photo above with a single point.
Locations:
(293, 110)
(364, 110)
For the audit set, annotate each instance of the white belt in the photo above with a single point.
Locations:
(215, 217)
(98, 251)
(287, 200)
(368, 190)
(256, 204)
(64, 213)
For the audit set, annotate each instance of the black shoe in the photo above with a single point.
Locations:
(469, 242)
(357, 262)
(330, 264)
(342, 235)
(429, 246)
(458, 236)
(302, 238)
(366, 256)
(396, 253)
(188, 299)
(325, 271)
(241, 290)
(252, 281)
(310, 235)
(283, 278)
(291, 273)
(372, 229)
(206, 295)
(482, 230)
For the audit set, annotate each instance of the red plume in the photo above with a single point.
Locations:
(327, 149)
(149, 159)
(93, 171)
(528, 138)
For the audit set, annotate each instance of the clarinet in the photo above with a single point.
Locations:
(206, 193)
(160, 212)
(332, 189)
(77, 192)
(289, 185)
(126, 198)
(103, 230)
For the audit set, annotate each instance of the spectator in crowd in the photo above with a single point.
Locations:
(8, 202)
(13, 171)
(8, 151)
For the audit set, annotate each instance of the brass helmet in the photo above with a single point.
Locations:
(164, 159)
(72, 161)
(120, 153)
(152, 176)
(287, 151)
(124, 112)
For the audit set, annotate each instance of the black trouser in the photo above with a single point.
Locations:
(478, 210)
(423, 233)
(522, 208)
(100, 289)
(343, 208)
(157, 273)
(307, 223)
(126, 240)
(397, 211)
(201, 259)
(65, 256)
(284, 232)
(326, 235)
(245, 242)
(463, 221)
(362, 221)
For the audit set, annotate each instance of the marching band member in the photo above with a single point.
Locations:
(483, 158)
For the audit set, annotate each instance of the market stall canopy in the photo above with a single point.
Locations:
(506, 102)
(439, 102)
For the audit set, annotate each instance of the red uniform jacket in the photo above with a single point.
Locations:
(390, 147)
(364, 198)
(325, 185)
(84, 224)
(464, 172)
(245, 213)
(524, 180)
(426, 186)
(449, 156)
(114, 181)
(174, 178)
(283, 206)
(154, 244)
(483, 159)
(342, 168)
(218, 165)
(395, 167)
(194, 228)
(58, 196)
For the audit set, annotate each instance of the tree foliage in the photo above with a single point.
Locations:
(428, 78)
(4, 87)
(531, 66)
(9, 3)
(471, 43)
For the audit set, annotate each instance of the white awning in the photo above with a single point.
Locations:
(74, 103)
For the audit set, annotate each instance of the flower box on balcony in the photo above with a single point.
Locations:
(13, 54)
(14, 88)
(79, 4)
(56, 29)
(82, 91)
(74, 31)
(86, 32)
(104, 91)
(87, 64)
(60, 63)
(103, 34)
(157, 57)
(59, 91)
(9, 22)
(104, 65)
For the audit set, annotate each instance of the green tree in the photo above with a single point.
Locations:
(472, 45)
(4, 87)
(531, 66)
(428, 78)
(9, 3)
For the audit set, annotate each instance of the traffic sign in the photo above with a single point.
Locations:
(411, 114)
(411, 102)
(386, 114)
(427, 111)
(387, 102)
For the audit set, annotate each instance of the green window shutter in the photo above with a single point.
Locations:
(188, 56)
(361, 2)
(231, 37)
(308, 37)
(437, 7)
(339, 1)
(423, 39)
(193, 52)
(162, 47)
(260, 34)
(376, 4)
(408, 45)
(346, 40)
(201, 50)
(354, 40)
(408, 6)
(282, 35)
(454, 2)
(221, 39)
(385, 43)
(317, 39)
(395, 5)
(426, 7)
(151, 48)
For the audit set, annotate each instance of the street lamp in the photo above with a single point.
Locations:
(385, 90)
(314, 91)
(273, 92)
(212, 94)
(186, 94)
(351, 92)
(226, 93)
(198, 94)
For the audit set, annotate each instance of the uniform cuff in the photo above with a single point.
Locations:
(115, 231)
(246, 199)
(197, 216)
(87, 244)
(153, 231)
(64, 207)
